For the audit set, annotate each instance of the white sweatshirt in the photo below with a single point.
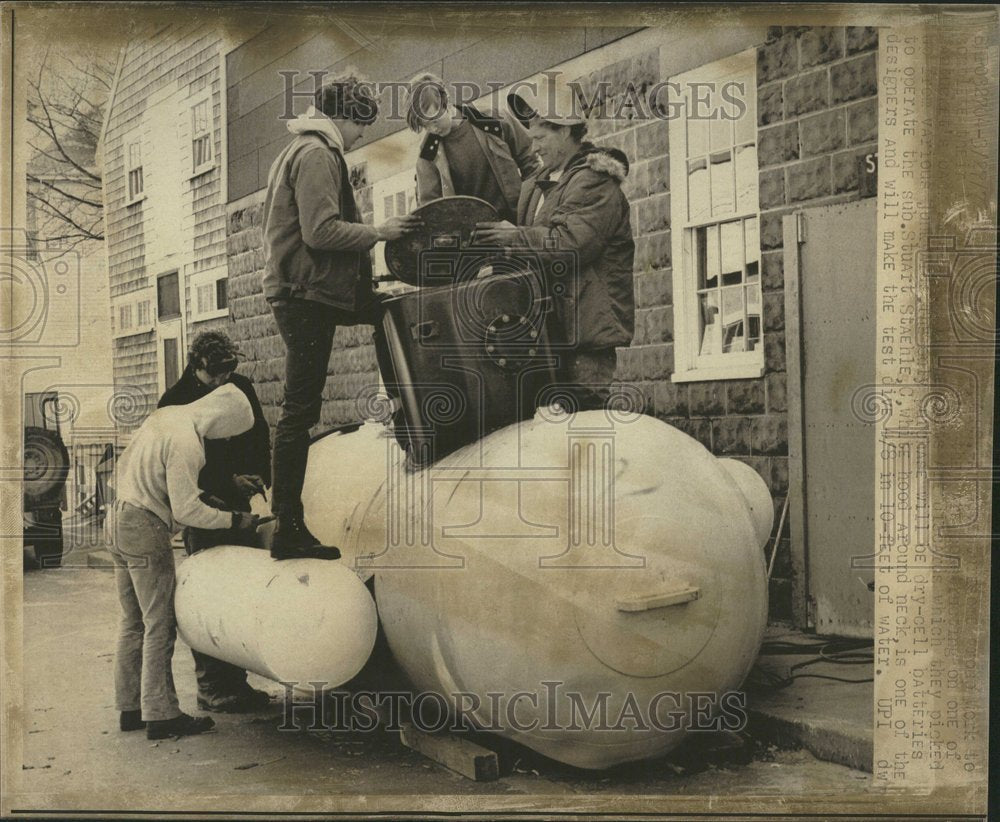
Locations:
(159, 469)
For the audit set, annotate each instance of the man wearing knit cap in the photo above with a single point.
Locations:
(236, 468)
(575, 203)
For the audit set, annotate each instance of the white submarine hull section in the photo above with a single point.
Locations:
(592, 586)
(294, 621)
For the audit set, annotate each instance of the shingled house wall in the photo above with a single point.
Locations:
(817, 105)
(184, 59)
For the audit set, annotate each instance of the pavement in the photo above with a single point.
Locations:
(832, 719)
(74, 752)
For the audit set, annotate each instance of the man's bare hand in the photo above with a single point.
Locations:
(248, 484)
(503, 233)
(244, 521)
(396, 227)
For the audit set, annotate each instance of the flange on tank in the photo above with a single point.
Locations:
(590, 585)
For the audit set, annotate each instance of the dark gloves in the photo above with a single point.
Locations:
(244, 521)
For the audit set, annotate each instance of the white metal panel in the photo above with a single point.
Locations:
(832, 450)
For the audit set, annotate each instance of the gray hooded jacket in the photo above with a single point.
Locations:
(159, 469)
(316, 246)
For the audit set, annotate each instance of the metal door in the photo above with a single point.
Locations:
(830, 299)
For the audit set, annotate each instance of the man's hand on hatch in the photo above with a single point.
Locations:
(502, 233)
(396, 227)
(245, 521)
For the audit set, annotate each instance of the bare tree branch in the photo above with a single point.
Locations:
(52, 133)
(66, 99)
(46, 205)
(52, 187)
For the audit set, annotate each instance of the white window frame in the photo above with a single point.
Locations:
(133, 139)
(132, 303)
(210, 277)
(689, 364)
(204, 98)
(392, 188)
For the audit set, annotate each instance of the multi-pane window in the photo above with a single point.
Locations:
(133, 157)
(142, 313)
(209, 294)
(206, 298)
(392, 197)
(124, 317)
(201, 135)
(716, 224)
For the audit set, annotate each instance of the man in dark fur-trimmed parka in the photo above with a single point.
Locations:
(575, 203)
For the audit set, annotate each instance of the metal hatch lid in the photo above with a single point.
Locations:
(448, 224)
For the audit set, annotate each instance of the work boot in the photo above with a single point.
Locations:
(182, 725)
(256, 698)
(245, 701)
(292, 540)
(131, 721)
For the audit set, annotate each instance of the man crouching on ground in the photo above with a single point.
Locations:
(157, 494)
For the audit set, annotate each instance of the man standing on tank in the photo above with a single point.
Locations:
(318, 275)
(575, 204)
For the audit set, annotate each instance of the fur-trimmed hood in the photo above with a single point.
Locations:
(610, 161)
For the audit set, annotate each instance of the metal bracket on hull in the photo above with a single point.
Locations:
(647, 602)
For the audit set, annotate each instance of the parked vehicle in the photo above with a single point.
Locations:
(46, 467)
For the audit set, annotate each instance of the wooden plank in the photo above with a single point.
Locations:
(455, 753)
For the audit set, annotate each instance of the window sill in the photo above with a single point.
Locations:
(134, 201)
(210, 315)
(131, 332)
(736, 371)
(201, 170)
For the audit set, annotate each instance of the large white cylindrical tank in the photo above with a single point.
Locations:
(294, 621)
(595, 581)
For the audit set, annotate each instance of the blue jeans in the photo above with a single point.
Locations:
(145, 578)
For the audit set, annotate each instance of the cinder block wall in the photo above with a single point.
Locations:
(817, 112)
(817, 109)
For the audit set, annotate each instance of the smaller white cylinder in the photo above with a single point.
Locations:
(295, 621)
